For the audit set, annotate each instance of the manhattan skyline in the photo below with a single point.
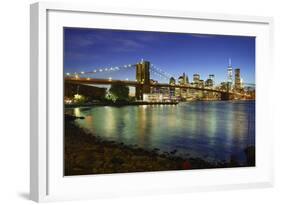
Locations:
(175, 53)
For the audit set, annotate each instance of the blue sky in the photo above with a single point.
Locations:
(175, 53)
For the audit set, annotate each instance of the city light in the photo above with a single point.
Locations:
(233, 83)
(77, 97)
(171, 106)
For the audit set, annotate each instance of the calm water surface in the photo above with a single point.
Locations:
(211, 130)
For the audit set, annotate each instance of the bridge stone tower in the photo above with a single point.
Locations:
(142, 77)
(227, 95)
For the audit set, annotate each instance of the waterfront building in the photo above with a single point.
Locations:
(210, 82)
(153, 97)
(180, 80)
(223, 85)
(172, 81)
(172, 89)
(212, 77)
(201, 83)
(183, 80)
(196, 78)
(178, 92)
(154, 89)
(237, 82)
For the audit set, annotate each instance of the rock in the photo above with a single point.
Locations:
(250, 153)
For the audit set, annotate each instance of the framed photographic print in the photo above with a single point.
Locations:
(127, 102)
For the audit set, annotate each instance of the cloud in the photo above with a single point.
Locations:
(108, 40)
(127, 45)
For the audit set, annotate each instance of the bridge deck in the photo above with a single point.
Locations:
(95, 81)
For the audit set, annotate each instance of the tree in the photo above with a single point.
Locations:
(79, 99)
(120, 92)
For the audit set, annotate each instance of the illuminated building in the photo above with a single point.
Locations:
(172, 81)
(212, 77)
(182, 92)
(229, 74)
(201, 83)
(237, 82)
(210, 82)
(154, 89)
(180, 80)
(183, 80)
(172, 90)
(196, 78)
(152, 97)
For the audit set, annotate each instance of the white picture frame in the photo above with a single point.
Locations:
(47, 182)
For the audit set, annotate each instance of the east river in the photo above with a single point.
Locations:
(212, 130)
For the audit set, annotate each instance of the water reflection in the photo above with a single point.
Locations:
(213, 130)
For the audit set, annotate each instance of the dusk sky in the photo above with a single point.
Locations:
(175, 53)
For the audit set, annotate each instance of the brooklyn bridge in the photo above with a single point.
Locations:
(144, 84)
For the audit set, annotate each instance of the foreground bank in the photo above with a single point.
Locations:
(88, 154)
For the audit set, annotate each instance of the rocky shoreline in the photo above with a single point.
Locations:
(87, 154)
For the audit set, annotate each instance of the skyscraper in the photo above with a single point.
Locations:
(196, 78)
(183, 80)
(172, 81)
(237, 82)
(212, 77)
(210, 82)
(229, 73)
